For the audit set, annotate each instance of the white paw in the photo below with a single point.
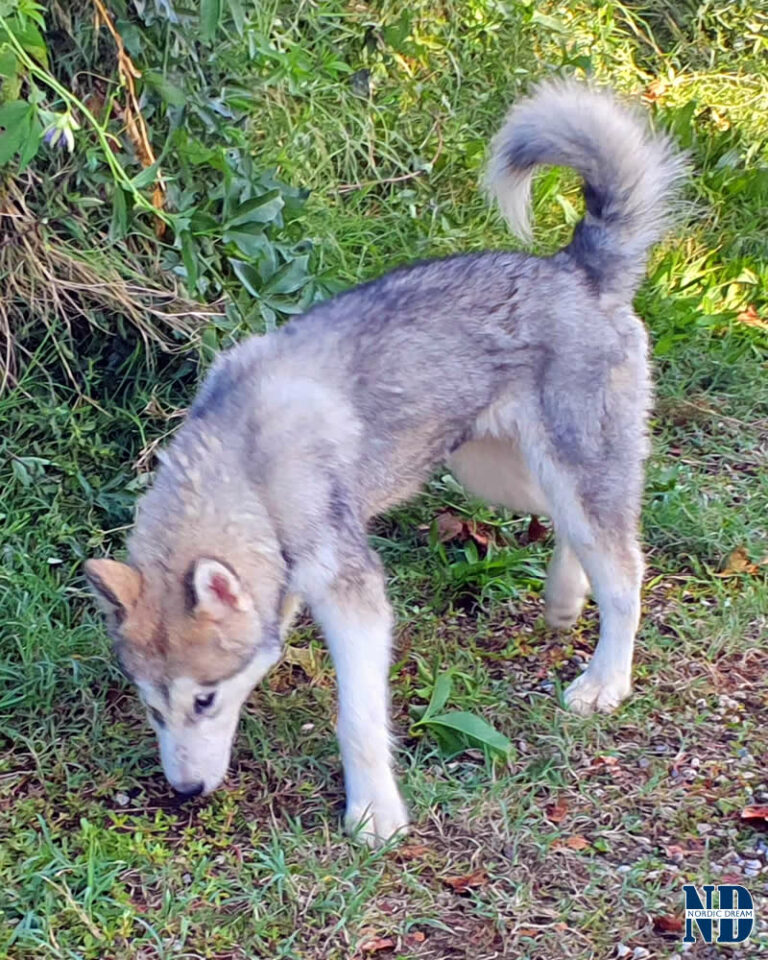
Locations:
(560, 617)
(375, 821)
(591, 692)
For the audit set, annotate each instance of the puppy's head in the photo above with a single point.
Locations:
(195, 645)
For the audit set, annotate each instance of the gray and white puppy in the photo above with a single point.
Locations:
(528, 376)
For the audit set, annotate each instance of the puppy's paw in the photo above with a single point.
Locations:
(377, 820)
(559, 616)
(591, 692)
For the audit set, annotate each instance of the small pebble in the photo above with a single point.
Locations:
(122, 799)
(306, 727)
(622, 950)
(640, 952)
(643, 763)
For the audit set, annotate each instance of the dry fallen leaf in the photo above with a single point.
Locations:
(412, 939)
(556, 812)
(605, 761)
(308, 658)
(536, 531)
(466, 882)
(377, 944)
(655, 90)
(675, 852)
(412, 851)
(738, 562)
(752, 318)
(577, 843)
(755, 813)
(449, 526)
(664, 925)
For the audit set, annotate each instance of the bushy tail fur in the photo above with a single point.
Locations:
(630, 175)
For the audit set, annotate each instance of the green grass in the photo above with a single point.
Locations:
(97, 860)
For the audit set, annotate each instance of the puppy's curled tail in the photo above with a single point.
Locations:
(630, 175)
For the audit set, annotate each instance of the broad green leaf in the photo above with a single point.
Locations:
(119, 225)
(473, 728)
(449, 741)
(285, 306)
(248, 276)
(31, 40)
(16, 118)
(238, 15)
(441, 693)
(249, 238)
(31, 143)
(8, 62)
(269, 316)
(289, 278)
(146, 177)
(189, 256)
(203, 224)
(210, 15)
(168, 91)
(261, 209)
(209, 344)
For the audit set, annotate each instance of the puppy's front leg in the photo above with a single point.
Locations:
(357, 621)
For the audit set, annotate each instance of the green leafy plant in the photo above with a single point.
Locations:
(457, 730)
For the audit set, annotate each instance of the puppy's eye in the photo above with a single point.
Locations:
(156, 716)
(204, 701)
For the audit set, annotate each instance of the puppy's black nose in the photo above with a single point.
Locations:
(188, 790)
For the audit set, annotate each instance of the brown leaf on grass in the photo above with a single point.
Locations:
(377, 944)
(577, 843)
(527, 932)
(759, 812)
(675, 852)
(411, 851)
(308, 658)
(536, 531)
(415, 938)
(466, 882)
(605, 760)
(480, 533)
(655, 90)
(738, 562)
(667, 925)
(556, 812)
(449, 527)
(752, 318)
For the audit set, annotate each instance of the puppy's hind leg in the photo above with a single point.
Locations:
(595, 508)
(356, 619)
(615, 568)
(567, 586)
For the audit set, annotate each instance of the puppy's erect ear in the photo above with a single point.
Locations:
(218, 591)
(115, 585)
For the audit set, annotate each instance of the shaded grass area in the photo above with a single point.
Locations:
(579, 846)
